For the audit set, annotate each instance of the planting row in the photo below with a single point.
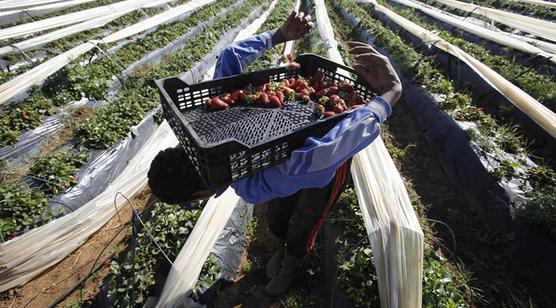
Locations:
(540, 86)
(18, 64)
(501, 142)
(111, 122)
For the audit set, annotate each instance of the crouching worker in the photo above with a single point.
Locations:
(300, 191)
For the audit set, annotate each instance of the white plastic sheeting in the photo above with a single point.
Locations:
(88, 24)
(12, 16)
(35, 76)
(539, 113)
(538, 2)
(538, 27)
(72, 18)
(28, 255)
(20, 4)
(494, 36)
(397, 240)
(188, 264)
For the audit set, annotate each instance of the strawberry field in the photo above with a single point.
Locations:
(458, 210)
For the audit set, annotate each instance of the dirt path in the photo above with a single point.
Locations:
(46, 288)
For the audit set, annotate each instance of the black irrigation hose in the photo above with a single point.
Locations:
(78, 285)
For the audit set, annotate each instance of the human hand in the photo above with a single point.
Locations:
(295, 26)
(377, 71)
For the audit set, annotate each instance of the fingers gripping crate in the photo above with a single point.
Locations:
(227, 145)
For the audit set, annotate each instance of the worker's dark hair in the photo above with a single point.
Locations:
(172, 177)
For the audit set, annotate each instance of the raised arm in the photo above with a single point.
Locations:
(234, 59)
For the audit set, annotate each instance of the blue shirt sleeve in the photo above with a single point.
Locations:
(315, 164)
(234, 59)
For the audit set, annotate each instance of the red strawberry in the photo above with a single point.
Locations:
(346, 87)
(291, 82)
(320, 93)
(332, 90)
(281, 96)
(218, 104)
(208, 103)
(337, 108)
(299, 85)
(334, 98)
(290, 57)
(293, 66)
(304, 92)
(263, 99)
(228, 100)
(275, 101)
(328, 114)
(238, 96)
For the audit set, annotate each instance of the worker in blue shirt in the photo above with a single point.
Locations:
(300, 191)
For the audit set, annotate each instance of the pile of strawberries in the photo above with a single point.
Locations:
(331, 98)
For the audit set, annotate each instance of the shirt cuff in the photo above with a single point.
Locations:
(267, 38)
(381, 108)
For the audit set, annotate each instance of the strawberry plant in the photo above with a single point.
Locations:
(171, 226)
(54, 174)
(23, 208)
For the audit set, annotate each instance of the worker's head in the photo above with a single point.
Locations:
(172, 178)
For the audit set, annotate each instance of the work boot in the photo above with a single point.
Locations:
(282, 282)
(275, 261)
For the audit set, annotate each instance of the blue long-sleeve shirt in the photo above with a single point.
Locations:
(314, 164)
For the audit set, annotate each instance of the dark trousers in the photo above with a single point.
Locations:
(298, 218)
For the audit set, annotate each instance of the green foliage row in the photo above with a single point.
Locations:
(22, 208)
(55, 173)
(170, 225)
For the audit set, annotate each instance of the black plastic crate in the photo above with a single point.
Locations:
(227, 145)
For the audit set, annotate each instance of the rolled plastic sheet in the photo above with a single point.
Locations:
(37, 75)
(539, 113)
(28, 255)
(538, 27)
(495, 36)
(20, 4)
(12, 16)
(210, 226)
(100, 21)
(538, 2)
(396, 238)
